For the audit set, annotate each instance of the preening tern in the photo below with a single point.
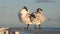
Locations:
(24, 16)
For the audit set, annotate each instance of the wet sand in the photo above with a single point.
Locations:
(36, 31)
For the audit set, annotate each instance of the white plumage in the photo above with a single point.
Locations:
(40, 18)
(24, 16)
(36, 18)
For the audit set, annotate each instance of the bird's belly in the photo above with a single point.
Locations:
(36, 22)
(26, 20)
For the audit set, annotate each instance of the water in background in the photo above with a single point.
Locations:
(43, 31)
(9, 12)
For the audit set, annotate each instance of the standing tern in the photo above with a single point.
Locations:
(24, 16)
(38, 18)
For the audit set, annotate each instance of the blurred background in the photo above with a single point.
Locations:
(9, 12)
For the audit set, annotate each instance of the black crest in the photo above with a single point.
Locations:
(25, 8)
(39, 9)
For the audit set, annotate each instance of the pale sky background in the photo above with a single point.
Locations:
(9, 12)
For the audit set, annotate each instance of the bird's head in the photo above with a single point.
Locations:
(39, 10)
(24, 10)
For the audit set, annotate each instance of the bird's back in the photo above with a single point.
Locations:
(24, 18)
(40, 16)
(37, 18)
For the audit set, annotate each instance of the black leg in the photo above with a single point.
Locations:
(35, 26)
(39, 26)
(27, 26)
